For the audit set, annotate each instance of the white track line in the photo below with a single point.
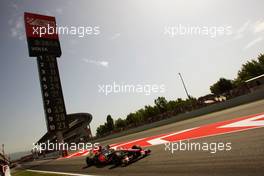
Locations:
(125, 143)
(158, 141)
(58, 173)
(253, 121)
(85, 153)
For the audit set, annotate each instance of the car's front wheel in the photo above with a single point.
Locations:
(89, 161)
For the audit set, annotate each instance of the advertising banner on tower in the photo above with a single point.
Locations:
(42, 36)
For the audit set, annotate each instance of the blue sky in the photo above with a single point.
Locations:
(130, 49)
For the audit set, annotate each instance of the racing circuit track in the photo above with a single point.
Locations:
(245, 158)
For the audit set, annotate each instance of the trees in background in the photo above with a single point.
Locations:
(101, 130)
(145, 115)
(222, 86)
(251, 69)
(161, 104)
(248, 70)
(107, 127)
(109, 123)
(120, 124)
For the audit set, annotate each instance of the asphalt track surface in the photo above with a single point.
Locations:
(245, 158)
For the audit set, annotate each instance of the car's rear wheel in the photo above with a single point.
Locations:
(136, 147)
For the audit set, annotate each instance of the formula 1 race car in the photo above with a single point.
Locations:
(123, 157)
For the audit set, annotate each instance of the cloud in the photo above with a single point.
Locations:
(59, 11)
(99, 63)
(17, 28)
(16, 22)
(253, 42)
(14, 5)
(115, 36)
(259, 26)
(243, 27)
(240, 32)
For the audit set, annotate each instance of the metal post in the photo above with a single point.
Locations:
(3, 149)
(3, 152)
(184, 86)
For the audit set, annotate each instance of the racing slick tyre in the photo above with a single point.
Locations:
(147, 152)
(117, 158)
(136, 147)
(137, 154)
(89, 161)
